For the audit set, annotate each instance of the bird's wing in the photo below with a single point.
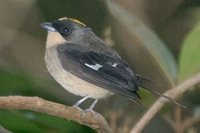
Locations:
(100, 68)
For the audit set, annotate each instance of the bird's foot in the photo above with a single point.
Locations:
(90, 109)
(96, 114)
(77, 107)
(81, 110)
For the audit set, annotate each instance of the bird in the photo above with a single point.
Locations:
(84, 65)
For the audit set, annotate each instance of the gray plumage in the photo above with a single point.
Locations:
(84, 65)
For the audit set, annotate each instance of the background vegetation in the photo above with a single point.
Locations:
(160, 39)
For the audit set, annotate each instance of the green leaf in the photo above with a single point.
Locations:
(20, 83)
(143, 47)
(190, 55)
(32, 122)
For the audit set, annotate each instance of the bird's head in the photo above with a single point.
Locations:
(65, 26)
(64, 29)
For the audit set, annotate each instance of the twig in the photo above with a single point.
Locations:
(172, 93)
(178, 120)
(91, 119)
(113, 120)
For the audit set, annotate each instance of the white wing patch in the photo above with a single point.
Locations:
(114, 65)
(94, 67)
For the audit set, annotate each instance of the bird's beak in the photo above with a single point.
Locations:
(48, 26)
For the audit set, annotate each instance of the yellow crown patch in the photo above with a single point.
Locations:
(74, 20)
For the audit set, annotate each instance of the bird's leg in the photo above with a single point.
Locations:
(92, 105)
(90, 109)
(76, 105)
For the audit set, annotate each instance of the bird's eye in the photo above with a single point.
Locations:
(66, 30)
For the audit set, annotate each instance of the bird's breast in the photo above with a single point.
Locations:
(70, 82)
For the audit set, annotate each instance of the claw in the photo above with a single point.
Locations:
(81, 110)
(77, 107)
(92, 112)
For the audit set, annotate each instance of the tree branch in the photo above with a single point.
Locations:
(93, 120)
(172, 93)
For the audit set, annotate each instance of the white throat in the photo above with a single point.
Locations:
(53, 39)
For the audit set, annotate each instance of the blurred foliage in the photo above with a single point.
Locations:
(19, 83)
(38, 123)
(13, 83)
(146, 40)
(190, 55)
(95, 9)
(146, 33)
(191, 99)
(147, 98)
(153, 126)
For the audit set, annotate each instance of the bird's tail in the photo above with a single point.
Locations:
(149, 84)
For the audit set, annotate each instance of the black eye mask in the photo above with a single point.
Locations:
(63, 27)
